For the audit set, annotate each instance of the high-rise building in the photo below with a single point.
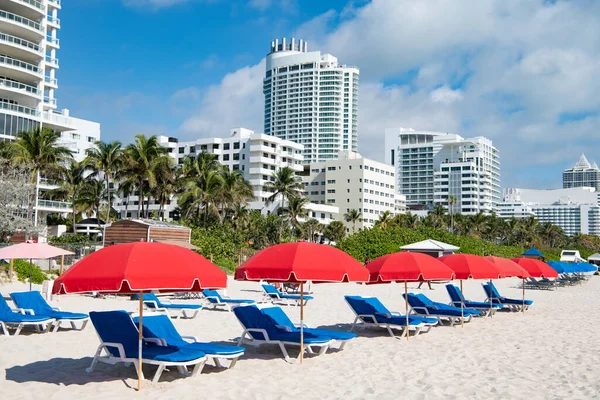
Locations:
(575, 210)
(432, 166)
(311, 99)
(28, 83)
(353, 182)
(583, 174)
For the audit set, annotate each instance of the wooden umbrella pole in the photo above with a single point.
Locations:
(301, 323)
(406, 308)
(62, 264)
(491, 308)
(30, 273)
(523, 308)
(140, 338)
(462, 306)
(11, 268)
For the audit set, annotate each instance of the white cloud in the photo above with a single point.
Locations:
(154, 4)
(509, 70)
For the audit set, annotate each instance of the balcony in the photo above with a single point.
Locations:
(57, 120)
(53, 21)
(23, 47)
(19, 87)
(52, 41)
(49, 101)
(54, 206)
(19, 66)
(4, 105)
(52, 62)
(51, 81)
(55, 3)
(21, 26)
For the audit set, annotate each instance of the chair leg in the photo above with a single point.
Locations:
(158, 373)
(198, 368)
(19, 328)
(391, 332)
(217, 362)
(84, 324)
(4, 329)
(73, 326)
(56, 326)
(285, 353)
(233, 362)
(354, 323)
(95, 361)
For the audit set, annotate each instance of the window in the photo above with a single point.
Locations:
(225, 146)
(348, 180)
(236, 167)
(330, 168)
(236, 145)
(348, 190)
(91, 139)
(181, 150)
(322, 183)
(225, 157)
(203, 147)
(330, 190)
(236, 157)
(331, 181)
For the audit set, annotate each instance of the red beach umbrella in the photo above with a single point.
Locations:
(407, 266)
(470, 266)
(135, 268)
(536, 268)
(510, 268)
(299, 262)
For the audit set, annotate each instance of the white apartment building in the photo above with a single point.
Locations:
(430, 166)
(257, 155)
(28, 65)
(353, 182)
(575, 210)
(583, 174)
(311, 99)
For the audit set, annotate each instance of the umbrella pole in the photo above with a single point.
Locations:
(406, 307)
(30, 272)
(140, 336)
(462, 306)
(523, 308)
(491, 308)
(62, 264)
(301, 323)
(11, 269)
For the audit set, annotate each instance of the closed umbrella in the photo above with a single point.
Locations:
(470, 266)
(300, 262)
(406, 266)
(536, 268)
(509, 269)
(138, 268)
(32, 251)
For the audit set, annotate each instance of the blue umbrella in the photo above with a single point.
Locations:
(585, 267)
(558, 266)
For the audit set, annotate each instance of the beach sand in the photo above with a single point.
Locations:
(550, 351)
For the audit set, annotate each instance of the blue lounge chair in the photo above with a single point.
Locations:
(371, 312)
(33, 303)
(259, 330)
(160, 327)
(119, 339)
(422, 305)
(216, 300)
(278, 317)
(283, 298)
(181, 310)
(12, 319)
(511, 304)
(457, 298)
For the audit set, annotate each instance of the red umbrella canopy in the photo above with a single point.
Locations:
(406, 266)
(508, 267)
(470, 266)
(300, 262)
(141, 266)
(536, 268)
(35, 251)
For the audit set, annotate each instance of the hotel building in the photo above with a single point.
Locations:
(431, 166)
(311, 99)
(583, 174)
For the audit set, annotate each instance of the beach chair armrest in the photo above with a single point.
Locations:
(455, 303)
(167, 301)
(395, 314)
(119, 346)
(158, 341)
(301, 325)
(193, 339)
(284, 328)
(371, 316)
(215, 298)
(56, 309)
(425, 310)
(386, 315)
(258, 330)
(25, 311)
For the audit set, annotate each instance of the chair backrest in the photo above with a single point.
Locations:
(454, 292)
(116, 327)
(160, 326)
(151, 297)
(360, 305)
(32, 300)
(270, 289)
(47, 289)
(277, 316)
(417, 300)
(5, 310)
(211, 294)
(495, 294)
(252, 318)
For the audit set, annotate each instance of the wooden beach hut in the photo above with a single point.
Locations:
(146, 230)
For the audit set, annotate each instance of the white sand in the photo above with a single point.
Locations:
(550, 351)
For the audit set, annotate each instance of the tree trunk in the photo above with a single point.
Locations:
(109, 206)
(73, 213)
(140, 192)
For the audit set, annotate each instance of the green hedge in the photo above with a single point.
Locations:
(221, 243)
(21, 268)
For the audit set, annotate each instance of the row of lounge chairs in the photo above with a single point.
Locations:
(32, 310)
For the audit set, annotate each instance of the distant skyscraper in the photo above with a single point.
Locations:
(311, 99)
(583, 174)
(431, 166)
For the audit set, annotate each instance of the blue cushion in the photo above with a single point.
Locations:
(503, 300)
(33, 300)
(480, 304)
(372, 306)
(8, 315)
(152, 297)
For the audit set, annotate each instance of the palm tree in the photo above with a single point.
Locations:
(235, 190)
(90, 197)
(241, 217)
(106, 158)
(40, 148)
(451, 202)
(335, 231)
(71, 182)
(295, 210)
(384, 219)
(310, 228)
(286, 185)
(165, 184)
(353, 216)
(126, 189)
(478, 223)
(411, 220)
(142, 157)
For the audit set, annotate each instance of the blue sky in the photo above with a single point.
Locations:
(523, 72)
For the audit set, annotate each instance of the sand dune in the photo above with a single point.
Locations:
(550, 351)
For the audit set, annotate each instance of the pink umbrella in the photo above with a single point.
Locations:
(32, 251)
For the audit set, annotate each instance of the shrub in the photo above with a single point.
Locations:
(22, 270)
